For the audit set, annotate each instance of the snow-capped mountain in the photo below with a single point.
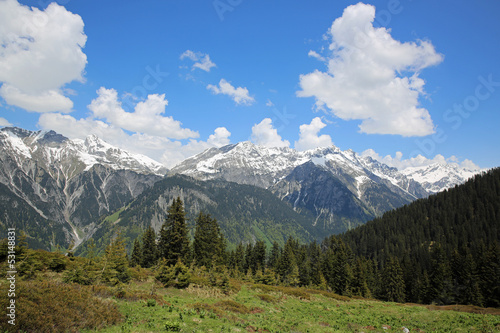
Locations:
(341, 188)
(439, 177)
(67, 184)
(57, 189)
(262, 166)
(73, 156)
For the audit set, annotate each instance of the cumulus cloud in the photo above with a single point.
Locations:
(239, 95)
(264, 134)
(201, 60)
(398, 162)
(219, 138)
(147, 116)
(372, 77)
(160, 148)
(4, 122)
(309, 138)
(40, 52)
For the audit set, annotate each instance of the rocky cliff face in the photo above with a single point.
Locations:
(69, 183)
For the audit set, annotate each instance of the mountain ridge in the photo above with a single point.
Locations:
(72, 183)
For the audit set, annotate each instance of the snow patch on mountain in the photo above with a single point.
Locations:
(439, 177)
(50, 148)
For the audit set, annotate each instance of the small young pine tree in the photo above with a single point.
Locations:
(116, 268)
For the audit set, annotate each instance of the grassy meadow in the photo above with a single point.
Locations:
(260, 308)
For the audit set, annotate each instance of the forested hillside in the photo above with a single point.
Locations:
(447, 246)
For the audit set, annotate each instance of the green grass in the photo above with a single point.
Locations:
(114, 217)
(274, 309)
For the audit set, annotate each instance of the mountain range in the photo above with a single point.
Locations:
(62, 190)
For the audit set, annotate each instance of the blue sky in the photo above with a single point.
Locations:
(408, 82)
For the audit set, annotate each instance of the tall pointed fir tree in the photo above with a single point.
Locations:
(136, 257)
(208, 243)
(393, 281)
(149, 248)
(174, 241)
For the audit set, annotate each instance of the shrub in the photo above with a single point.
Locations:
(57, 307)
(230, 305)
(57, 264)
(173, 276)
(172, 326)
(267, 298)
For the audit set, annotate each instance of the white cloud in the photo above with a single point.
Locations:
(169, 152)
(147, 117)
(372, 77)
(269, 103)
(239, 95)
(264, 134)
(219, 138)
(316, 55)
(308, 136)
(4, 122)
(40, 52)
(202, 60)
(398, 162)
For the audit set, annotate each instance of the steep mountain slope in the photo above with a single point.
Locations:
(448, 244)
(245, 212)
(340, 188)
(69, 183)
(462, 216)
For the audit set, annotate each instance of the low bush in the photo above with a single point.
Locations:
(58, 307)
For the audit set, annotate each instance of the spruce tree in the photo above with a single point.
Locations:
(259, 255)
(274, 256)
(149, 248)
(116, 267)
(393, 281)
(239, 258)
(440, 287)
(208, 244)
(136, 258)
(174, 241)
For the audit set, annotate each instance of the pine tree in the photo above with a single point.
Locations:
(440, 288)
(116, 267)
(259, 255)
(239, 258)
(149, 248)
(208, 244)
(393, 281)
(136, 258)
(359, 286)
(336, 265)
(489, 273)
(287, 260)
(274, 256)
(174, 241)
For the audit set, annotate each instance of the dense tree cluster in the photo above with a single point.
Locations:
(447, 246)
